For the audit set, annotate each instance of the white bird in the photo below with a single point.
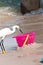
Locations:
(7, 31)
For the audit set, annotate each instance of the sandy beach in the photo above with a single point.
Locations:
(28, 55)
(25, 56)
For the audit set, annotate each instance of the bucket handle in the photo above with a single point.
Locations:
(26, 39)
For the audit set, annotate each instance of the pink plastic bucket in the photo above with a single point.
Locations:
(22, 38)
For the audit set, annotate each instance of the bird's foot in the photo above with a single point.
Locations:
(3, 52)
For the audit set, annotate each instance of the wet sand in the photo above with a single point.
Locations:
(28, 55)
(24, 56)
(27, 23)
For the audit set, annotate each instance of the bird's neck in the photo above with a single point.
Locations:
(16, 26)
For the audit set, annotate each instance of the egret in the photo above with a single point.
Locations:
(5, 32)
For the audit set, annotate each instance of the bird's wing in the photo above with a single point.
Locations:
(4, 31)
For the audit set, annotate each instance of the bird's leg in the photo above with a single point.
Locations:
(2, 47)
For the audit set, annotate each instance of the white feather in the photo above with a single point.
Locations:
(7, 31)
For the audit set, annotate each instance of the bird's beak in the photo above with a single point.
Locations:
(20, 30)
